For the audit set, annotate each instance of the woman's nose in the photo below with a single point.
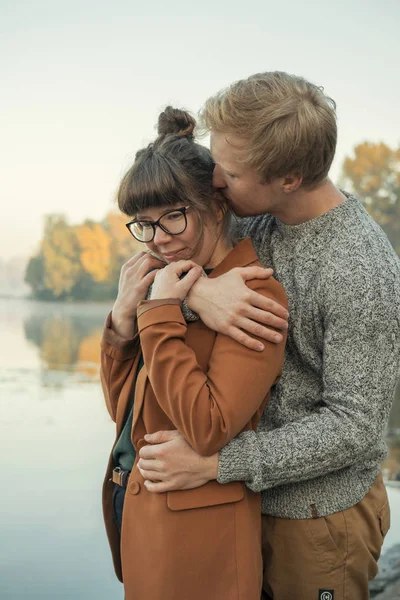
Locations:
(161, 237)
(218, 177)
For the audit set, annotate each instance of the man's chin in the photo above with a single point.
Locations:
(244, 211)
(240, 211)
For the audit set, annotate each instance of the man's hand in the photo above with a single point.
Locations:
(225, 304)
(169, 463)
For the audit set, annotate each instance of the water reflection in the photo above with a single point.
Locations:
(56, 435)
(68, 338)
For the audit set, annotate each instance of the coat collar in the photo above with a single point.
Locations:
(241, 255)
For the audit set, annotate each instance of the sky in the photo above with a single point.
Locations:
(83, 84)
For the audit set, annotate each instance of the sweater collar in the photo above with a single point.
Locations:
(315, 226)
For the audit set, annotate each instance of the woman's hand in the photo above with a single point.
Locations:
(135, 279)
(167, 283)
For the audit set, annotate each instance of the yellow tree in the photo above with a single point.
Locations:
(374, 174)
(95, 250)
(123, 245)
(60, 255)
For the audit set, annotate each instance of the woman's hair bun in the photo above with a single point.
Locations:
(176, 121)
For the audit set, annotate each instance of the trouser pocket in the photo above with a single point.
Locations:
(384, 519)
(329, 535)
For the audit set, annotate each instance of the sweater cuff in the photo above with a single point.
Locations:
(235, 460)
(116, 346)
(153, 312)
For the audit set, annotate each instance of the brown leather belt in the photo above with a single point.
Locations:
(120, 477)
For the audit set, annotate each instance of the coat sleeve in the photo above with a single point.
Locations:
(118, 357)
(209, 409)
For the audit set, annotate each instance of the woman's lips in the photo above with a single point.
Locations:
(172, 256)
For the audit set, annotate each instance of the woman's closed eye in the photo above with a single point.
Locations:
(174, 216)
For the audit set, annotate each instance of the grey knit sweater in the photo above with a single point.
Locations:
(319, 444)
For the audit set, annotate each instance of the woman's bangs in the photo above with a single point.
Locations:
(150, 185)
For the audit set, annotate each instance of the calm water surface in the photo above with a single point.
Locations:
(55, 436)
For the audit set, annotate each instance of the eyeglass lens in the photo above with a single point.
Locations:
(173, 222)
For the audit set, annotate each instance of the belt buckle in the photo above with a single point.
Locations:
(117, 476)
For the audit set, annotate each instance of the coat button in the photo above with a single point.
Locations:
(134, 487)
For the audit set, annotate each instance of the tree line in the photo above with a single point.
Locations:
(82, 262)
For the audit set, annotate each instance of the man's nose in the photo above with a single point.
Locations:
(161, 237)
(218, 177)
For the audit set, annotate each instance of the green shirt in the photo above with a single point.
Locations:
(124, 453)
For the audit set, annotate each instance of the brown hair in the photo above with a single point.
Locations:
(288, 125)
(173, 169)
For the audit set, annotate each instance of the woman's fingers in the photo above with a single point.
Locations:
(145, 265)
(182, 266)
(191, 277)
(135, 259)
(149, 278)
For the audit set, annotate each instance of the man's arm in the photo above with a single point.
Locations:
(225, 304)
(361, 364)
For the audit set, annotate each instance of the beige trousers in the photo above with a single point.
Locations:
(327, 558)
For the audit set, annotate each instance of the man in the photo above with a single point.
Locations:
(316, 454)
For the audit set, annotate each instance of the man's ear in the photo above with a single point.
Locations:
(291, 183)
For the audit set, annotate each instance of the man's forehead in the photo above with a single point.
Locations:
(226, 148)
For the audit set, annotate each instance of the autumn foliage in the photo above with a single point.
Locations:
(374, 174)
(80, 262)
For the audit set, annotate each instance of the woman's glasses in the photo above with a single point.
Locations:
(173, 222)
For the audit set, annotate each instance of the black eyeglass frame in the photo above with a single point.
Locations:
(157, 223)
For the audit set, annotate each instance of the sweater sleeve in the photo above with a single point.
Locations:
(360, 368)
(209, 408)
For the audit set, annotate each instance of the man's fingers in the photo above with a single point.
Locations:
(248, 273)
(246, 326)
(150, 465)
(159, 437)
(244, 339)
(267, 304)
(149, 452)
(151, 475)
(253, 328)
(157, 486)
(266, 318)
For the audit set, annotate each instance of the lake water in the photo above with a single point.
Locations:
(55, 436)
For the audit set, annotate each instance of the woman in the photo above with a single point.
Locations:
(160, 373)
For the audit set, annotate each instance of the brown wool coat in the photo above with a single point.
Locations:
(205, 542)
